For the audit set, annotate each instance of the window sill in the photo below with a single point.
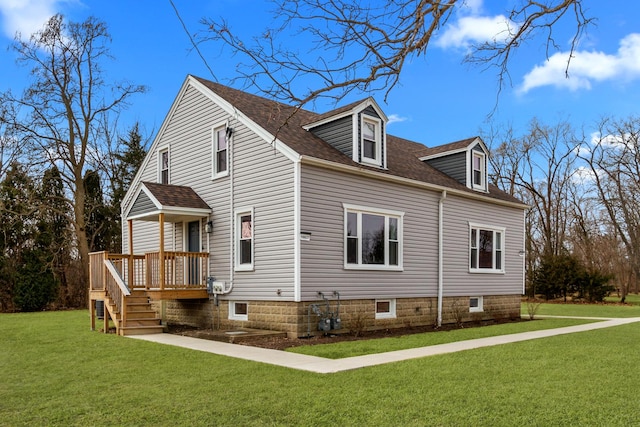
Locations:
(220, 175)
(485, 271)
(373, 267)
(382, 316)
(243, 268)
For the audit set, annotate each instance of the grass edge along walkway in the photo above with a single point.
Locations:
(326, 366)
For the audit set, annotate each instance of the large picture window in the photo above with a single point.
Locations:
(244, 240)
(220, 152)
(373, 238)
(486, 252)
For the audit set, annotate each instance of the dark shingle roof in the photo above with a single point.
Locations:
(452, 146)
(279, 119)
(176, 196)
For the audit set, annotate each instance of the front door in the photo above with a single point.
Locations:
(193, 245)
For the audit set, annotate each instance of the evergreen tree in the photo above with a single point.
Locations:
(127, 163)
(96, 225)
(55, 234)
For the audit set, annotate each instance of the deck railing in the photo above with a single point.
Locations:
(182, 270)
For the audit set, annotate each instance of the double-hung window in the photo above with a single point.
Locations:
(244, 240)
(371, 141)
(478, 170)
(486, 253)
(372, 238)
(220, 152)
(163, 166)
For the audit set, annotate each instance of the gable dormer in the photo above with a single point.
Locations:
(465, 161)
(358, 130)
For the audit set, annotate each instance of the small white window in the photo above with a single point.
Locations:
(371, 141)
(163, 166)
(475, 305)
(478, 170)
(244, 240)
(238, 310)
(219, 152)
(385, 309)
(486, 249)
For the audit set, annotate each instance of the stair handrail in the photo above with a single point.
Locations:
(119, 293)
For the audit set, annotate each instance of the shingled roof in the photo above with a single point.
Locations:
(175, 196)
(287, 123)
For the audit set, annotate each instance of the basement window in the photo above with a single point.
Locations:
(475, 305)
(385, 309)
(238, 310)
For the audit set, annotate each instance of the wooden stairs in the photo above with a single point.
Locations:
(139, 317)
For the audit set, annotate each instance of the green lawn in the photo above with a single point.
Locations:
(54, 371)
(341, 350)
(589, 310)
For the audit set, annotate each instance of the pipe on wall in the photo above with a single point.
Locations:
(440, 254)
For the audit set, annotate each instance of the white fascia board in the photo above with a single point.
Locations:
(364, 104)
(154, 145)
(477, 140)
(326, 164)
(239, 115)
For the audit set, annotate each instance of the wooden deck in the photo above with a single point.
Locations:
(127, 282)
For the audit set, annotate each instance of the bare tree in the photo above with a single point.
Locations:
(9, 146)
(365, 45)
(613, 158)
(541, 164)
(58, 116)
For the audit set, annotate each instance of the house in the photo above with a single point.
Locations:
(247, 213)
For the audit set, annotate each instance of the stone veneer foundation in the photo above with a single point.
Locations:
(356, 315)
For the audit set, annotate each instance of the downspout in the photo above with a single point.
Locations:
(231, 212)
(440, 254)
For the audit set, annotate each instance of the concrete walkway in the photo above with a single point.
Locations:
(326, 366)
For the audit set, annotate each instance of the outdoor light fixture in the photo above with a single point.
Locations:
(208, 227)
(521, 253)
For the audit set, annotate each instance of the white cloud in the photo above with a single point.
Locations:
(395, 118)
(587, 67)
(584, 176)
(475, 29)
(25, 16)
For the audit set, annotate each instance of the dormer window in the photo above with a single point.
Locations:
(479, 170)
(371, 141)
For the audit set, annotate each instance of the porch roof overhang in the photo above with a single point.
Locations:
(177, 203)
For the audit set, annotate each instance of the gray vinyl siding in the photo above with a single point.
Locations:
(458, 281)
(338, 133)
(142, 204)
(454, 165)
(263, 180)
(322, 258)
(370, 111)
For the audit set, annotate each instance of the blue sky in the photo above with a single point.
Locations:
(439, 98)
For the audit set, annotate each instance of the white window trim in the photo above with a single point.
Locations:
(495, 229)
(160, 151)
(382, 212)
(237, 214)
(483, 170)
(479, 308)
(378, 123)
(214, 164)
(232, 311)
(392, 309)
